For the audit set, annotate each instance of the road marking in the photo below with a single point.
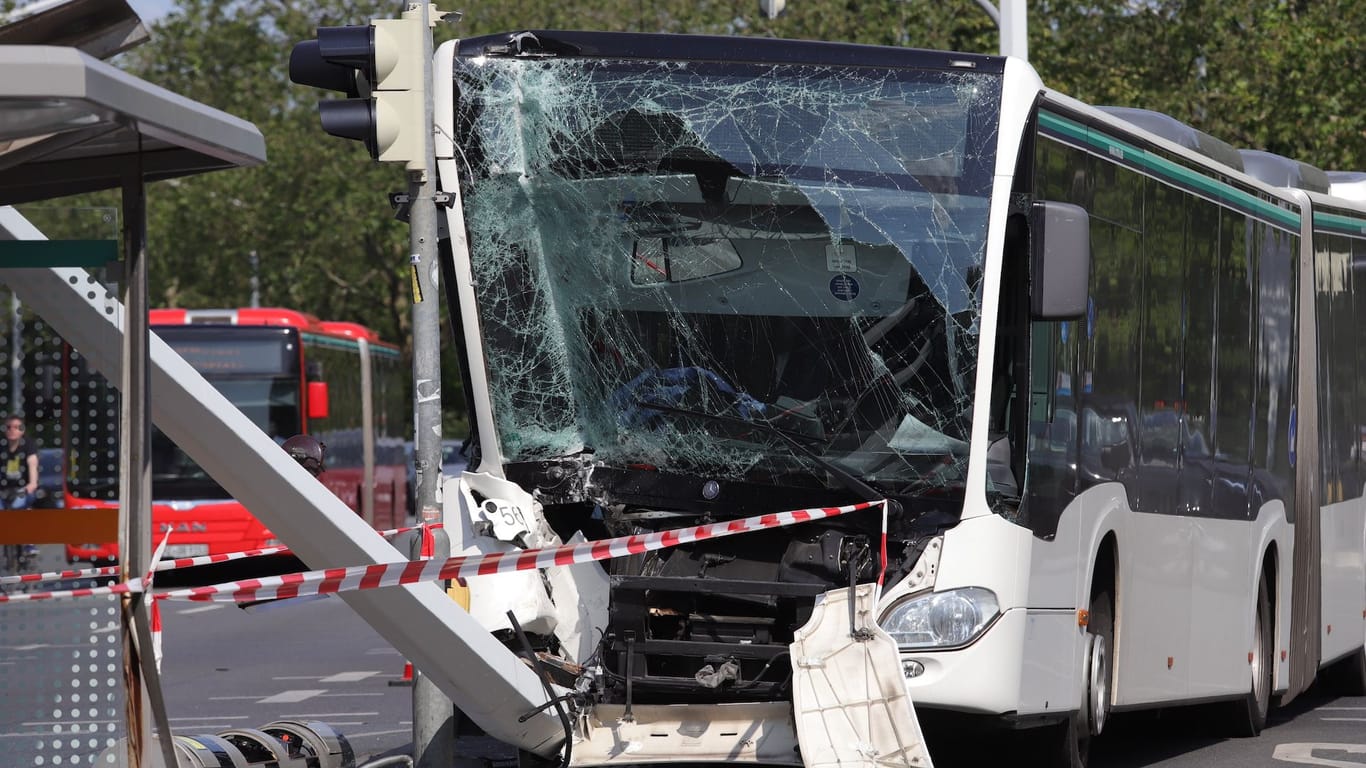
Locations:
(291, 697)
(348, 677)
(33, 647)
(334, 714)
(370, 734)
(1343, 709)
(200, 609)
(340, 677)
(1344, 719)
(1304, 754)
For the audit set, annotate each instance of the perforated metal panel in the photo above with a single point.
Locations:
(62, 695)
(61, 691)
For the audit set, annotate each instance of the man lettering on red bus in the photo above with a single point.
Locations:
(18, 466)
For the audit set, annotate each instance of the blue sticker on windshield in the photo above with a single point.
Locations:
(844, 287)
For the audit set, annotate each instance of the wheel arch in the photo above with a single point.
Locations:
(1105, 568)
(1268, 569)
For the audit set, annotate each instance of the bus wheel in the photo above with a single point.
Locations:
(1068, 744)
(1101, 627)
(1249, 713)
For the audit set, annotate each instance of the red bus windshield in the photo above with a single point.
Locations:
(266, 371)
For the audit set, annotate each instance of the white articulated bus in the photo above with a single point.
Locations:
(1104, 368)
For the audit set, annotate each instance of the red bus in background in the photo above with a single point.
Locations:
(287, 371)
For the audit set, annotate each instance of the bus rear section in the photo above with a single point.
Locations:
(287, 372)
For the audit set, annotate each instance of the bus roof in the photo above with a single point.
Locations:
(275, 316)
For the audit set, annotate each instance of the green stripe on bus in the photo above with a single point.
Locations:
(382, 350)
(90, 254)
(1345, 225)
(1166, 169)
(330, 341)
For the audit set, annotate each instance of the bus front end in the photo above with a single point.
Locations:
(712, 278)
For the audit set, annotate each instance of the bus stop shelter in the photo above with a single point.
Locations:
(70, 123)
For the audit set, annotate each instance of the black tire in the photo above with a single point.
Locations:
(1248, 714)
(1065, 745)
(1068, 744)
(1348, 677)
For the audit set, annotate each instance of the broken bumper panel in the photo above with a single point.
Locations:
(850, 707)
(751, 732)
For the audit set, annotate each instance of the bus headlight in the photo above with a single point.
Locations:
(941, 619)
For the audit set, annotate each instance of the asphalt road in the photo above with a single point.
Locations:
(308, 659)
(314, 659)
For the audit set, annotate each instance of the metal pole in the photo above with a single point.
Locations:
(991, 11)
(255, 278)
(135, 478)
(433, 713)
(134, 472)
(1014, 40)
(16, 367)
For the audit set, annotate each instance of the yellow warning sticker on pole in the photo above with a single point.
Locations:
(417, 287)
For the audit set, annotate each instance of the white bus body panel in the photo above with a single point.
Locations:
(1020, 85)
(993, 675)
(1030, 660)
(1344, 578)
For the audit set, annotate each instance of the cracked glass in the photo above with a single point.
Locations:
(727, 268)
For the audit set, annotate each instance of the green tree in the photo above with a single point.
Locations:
(1265, 74)
(1281, 76)
(315, 216)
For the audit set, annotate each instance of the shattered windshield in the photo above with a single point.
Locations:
(675, 262)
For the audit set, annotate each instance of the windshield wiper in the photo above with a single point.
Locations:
(861, 487)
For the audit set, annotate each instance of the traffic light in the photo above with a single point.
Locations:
(381, 69)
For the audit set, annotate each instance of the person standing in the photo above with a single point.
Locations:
(18, 483)
(18, 466)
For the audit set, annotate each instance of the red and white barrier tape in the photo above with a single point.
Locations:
(154, 618)
(334, 580)
(170, 565)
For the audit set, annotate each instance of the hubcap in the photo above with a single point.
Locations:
(1259, 681)
(1099, 683)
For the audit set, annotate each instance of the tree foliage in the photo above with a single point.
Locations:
(1266, 74)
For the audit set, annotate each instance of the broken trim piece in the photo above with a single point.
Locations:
(851, 703)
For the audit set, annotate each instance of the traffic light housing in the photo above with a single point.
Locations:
(381, 69)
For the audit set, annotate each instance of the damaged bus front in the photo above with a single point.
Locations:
(707, 278)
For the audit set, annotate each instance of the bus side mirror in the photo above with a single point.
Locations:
(1061, 265)
(317, 399)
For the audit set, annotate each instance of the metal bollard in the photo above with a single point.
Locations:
(280, 744)
(262, 748)
(198, 751)
(316, 743)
